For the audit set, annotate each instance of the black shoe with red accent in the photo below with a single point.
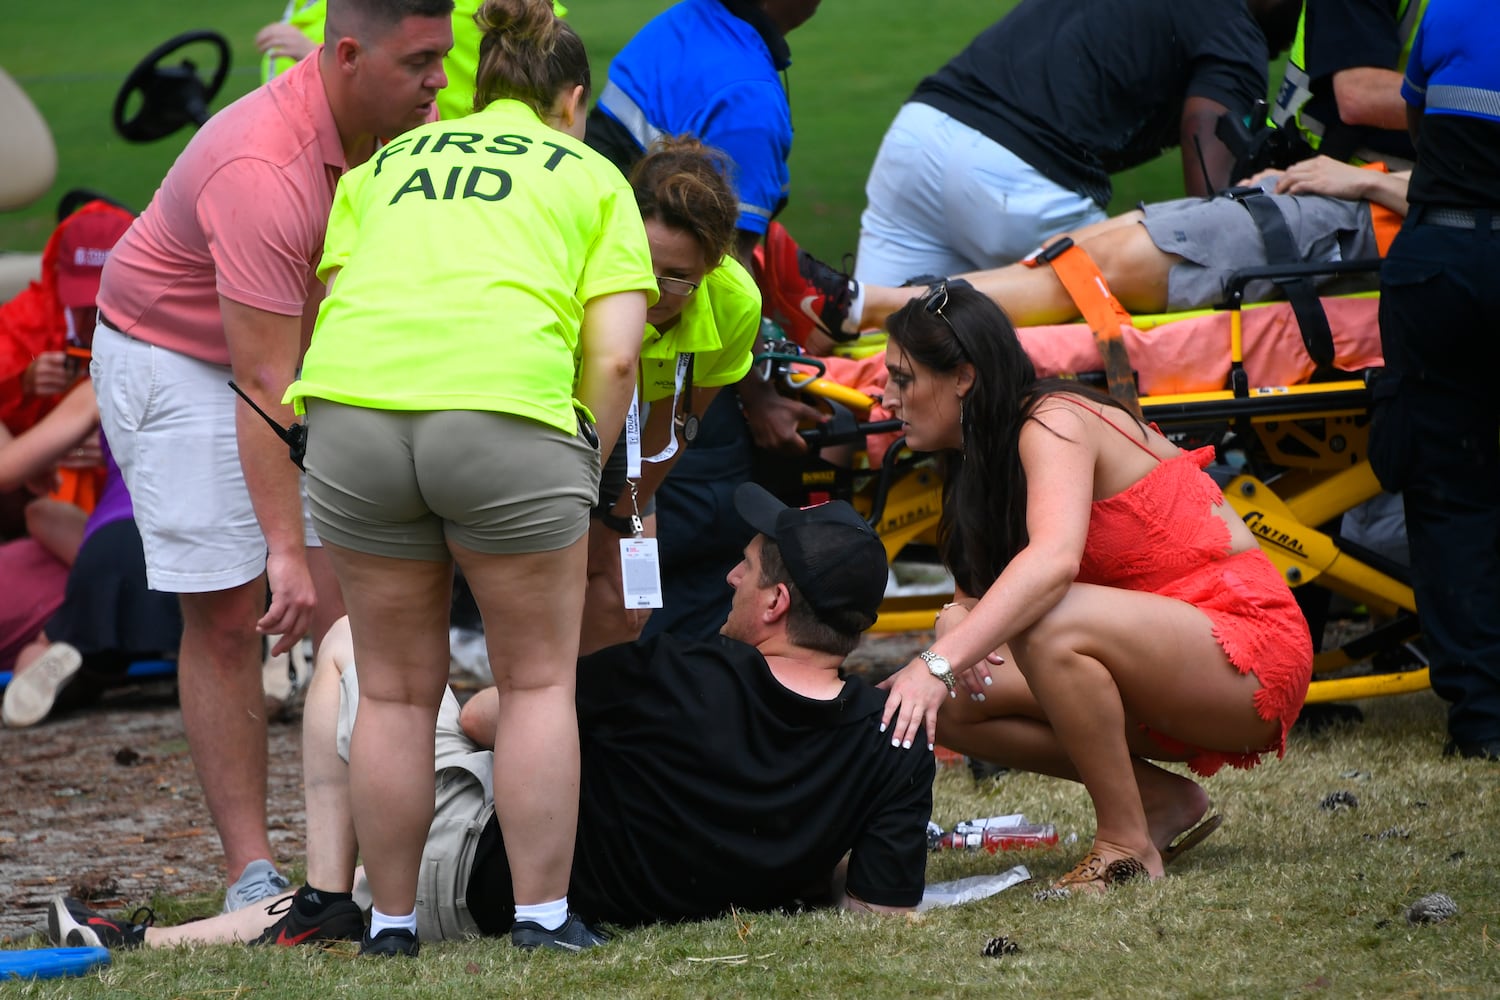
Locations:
(70, 924)
(804, 294)
(310, 918)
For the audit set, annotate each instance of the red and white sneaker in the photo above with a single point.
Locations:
(803, 293)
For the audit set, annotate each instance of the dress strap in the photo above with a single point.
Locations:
(1100, 414)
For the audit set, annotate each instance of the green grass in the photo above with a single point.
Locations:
(1286, 900)
(853, 65)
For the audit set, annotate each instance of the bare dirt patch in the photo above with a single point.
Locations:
(102, 802)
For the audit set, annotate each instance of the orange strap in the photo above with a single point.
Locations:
(1106, 318)
(1385, 221)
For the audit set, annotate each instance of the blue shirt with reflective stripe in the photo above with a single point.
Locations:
(1453, 78)
(699, 68)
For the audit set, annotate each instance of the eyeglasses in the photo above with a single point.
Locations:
(676, 286)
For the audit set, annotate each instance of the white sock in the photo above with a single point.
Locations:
(550, 916)
(381, 922)
(852, 322)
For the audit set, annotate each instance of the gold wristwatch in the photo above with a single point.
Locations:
(939, 667)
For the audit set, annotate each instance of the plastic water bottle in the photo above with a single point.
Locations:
(1014, 837)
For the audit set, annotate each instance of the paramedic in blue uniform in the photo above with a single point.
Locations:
(712, 69)
(1436, 434)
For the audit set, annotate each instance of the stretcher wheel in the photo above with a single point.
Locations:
(165, 98)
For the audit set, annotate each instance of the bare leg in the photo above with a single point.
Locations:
(1009, 729)
(532, 606)
(1102, 656)
(398, 617)
(331, 848)
(57, 527)
(1032, 296)
(27, 655)
(244, 924)
(606, 621)
(223, 714)
(330, 829)
(330, 600)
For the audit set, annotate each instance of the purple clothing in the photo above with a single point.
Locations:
(114, 501)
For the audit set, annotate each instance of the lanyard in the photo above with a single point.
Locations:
(633, 457)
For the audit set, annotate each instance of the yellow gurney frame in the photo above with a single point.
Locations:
(1306, 463)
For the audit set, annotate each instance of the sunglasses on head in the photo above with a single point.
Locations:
(933, 301)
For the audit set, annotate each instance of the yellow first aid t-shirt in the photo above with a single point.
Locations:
(465, 252)
(717, 326)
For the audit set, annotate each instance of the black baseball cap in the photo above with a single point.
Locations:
(833, 556)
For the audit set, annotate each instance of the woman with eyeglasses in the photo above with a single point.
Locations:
(1110, 608)
(700, 336)
(488, 281)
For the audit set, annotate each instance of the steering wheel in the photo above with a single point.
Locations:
(170, 96)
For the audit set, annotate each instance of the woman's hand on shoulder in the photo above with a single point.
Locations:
(911, 705)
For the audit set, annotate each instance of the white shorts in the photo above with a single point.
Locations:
(943, 198)
(464, 803)
(170, 422)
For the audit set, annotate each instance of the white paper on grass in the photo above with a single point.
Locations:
(967, 890)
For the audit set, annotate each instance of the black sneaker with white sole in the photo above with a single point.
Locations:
(573, 935)
(393, 942)
(70, 924)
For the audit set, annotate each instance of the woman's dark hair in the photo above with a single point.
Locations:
(983, 524)
(528, 54)
(684, 184)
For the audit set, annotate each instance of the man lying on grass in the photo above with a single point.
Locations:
(743, 772)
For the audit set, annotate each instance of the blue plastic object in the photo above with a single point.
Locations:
(51, 963)
(139, 671)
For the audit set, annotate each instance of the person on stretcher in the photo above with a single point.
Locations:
(1167, 256)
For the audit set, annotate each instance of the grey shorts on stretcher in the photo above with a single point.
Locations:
(465, 802)
(1218, 237)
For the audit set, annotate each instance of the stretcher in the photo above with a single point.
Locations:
(1290, 435)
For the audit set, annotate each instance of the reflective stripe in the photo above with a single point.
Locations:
(1408, 26)
(1295, 91)
(748, 209)
(628, 113)
(1473, 100)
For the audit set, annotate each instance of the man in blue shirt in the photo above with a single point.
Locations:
(712, 68)
(1436, 432)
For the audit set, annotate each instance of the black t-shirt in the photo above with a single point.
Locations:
(1085, 88)
(706, 784)
(1459, 163)
(1347, 34)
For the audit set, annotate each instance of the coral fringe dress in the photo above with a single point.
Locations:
(1160, 535)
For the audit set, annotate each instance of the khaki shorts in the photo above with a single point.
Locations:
(403, 484)
(1219, 237)
(465, 803)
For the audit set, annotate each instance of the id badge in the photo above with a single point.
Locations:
(640, 572)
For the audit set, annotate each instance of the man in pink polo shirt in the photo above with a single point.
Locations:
(216, 280)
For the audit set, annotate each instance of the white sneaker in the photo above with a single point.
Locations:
(32, 692)
(260, 880)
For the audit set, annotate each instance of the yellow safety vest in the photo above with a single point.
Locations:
(1296, 86)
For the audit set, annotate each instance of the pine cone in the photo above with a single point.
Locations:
(1431, 909)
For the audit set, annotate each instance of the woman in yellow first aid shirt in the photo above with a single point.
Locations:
(488, 282)
(700, 336)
